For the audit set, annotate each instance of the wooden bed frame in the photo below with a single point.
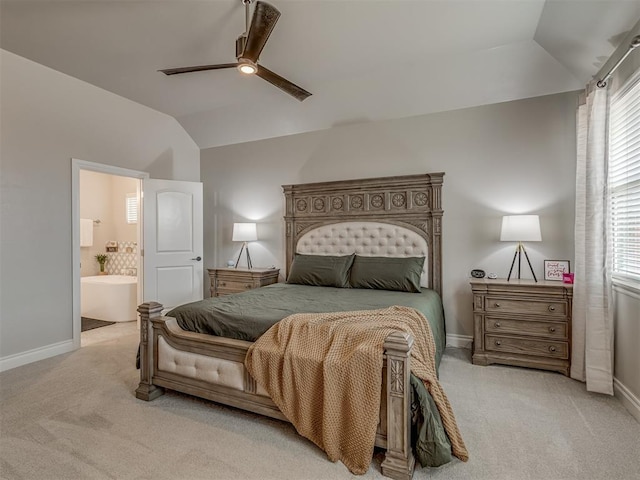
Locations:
(216, 364)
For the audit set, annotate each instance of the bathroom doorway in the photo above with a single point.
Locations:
(107, 249)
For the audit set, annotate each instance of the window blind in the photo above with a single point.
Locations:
(132, 208)
(624, 179)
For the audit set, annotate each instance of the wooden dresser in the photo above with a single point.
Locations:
(235, 280)
(522, 323)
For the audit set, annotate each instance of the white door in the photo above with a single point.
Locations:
(173, 266)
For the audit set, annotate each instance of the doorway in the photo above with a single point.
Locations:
(107, 224)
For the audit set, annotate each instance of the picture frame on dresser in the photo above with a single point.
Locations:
(554, 269)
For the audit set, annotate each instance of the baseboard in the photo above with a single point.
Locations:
(459, 341)
(628, 399)
(23, 358)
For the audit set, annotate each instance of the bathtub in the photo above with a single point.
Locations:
(113, 298)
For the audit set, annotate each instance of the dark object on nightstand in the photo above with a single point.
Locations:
(477, 273)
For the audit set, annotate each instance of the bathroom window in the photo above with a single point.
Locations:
(132, 208)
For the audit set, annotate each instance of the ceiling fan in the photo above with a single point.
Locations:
(249, 45)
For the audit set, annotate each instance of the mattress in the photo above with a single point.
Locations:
(247, 315)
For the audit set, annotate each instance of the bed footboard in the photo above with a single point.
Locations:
(214, 369)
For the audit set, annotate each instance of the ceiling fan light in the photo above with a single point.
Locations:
(247, 67)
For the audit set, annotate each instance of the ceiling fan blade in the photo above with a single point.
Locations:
(199, 68)
(264, 19)
(282, 83)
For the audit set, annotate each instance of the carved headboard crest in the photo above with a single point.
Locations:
(412, 201)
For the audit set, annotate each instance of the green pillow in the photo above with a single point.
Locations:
(321, 270)
(387, 273)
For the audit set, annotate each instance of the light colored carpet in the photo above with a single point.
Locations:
(75, 417)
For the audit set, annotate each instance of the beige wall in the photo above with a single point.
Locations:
(120, 188)
(48, 118)
(515, 157)
(103, 197)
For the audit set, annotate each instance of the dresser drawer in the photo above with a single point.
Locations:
(525, 346)
(531, 307)
(224, 285)
(555, 330)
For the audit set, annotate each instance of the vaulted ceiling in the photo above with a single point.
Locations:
(363, 60)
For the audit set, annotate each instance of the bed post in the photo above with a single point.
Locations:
(435, 233)
(399, 461)
(146, 390)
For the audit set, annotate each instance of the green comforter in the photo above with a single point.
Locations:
(246, 316)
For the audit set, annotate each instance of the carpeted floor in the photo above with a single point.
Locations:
(91, 323)
(75, 417)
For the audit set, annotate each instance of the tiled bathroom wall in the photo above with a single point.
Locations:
(124, 261)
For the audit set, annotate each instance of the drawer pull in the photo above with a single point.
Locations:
(498, 343)
(497, 324)
(222, 284)
(247, 285)
(552, 348)
(552, 329)
(497, 305)
(552, 308)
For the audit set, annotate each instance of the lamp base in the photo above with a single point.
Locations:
(520, 248)
(244, 247)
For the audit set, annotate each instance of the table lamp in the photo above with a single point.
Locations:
(244, 232)
(520, 228)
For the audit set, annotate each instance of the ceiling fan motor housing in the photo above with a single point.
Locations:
(240, 43)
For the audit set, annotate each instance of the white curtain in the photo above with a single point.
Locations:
(592, 337)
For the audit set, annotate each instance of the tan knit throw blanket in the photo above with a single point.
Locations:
(324, 372)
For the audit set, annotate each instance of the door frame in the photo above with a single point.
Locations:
(76, 166)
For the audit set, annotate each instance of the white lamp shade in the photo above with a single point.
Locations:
(244, 232)
(520, 228)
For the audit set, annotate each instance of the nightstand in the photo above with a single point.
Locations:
(235, 280)
(522, 323)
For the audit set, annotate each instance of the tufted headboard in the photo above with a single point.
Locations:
(367, 239)
(388, 216)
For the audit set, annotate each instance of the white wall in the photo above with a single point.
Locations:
(48, 118)
(515, 157)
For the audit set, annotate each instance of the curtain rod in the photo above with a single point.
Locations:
(635, 42)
